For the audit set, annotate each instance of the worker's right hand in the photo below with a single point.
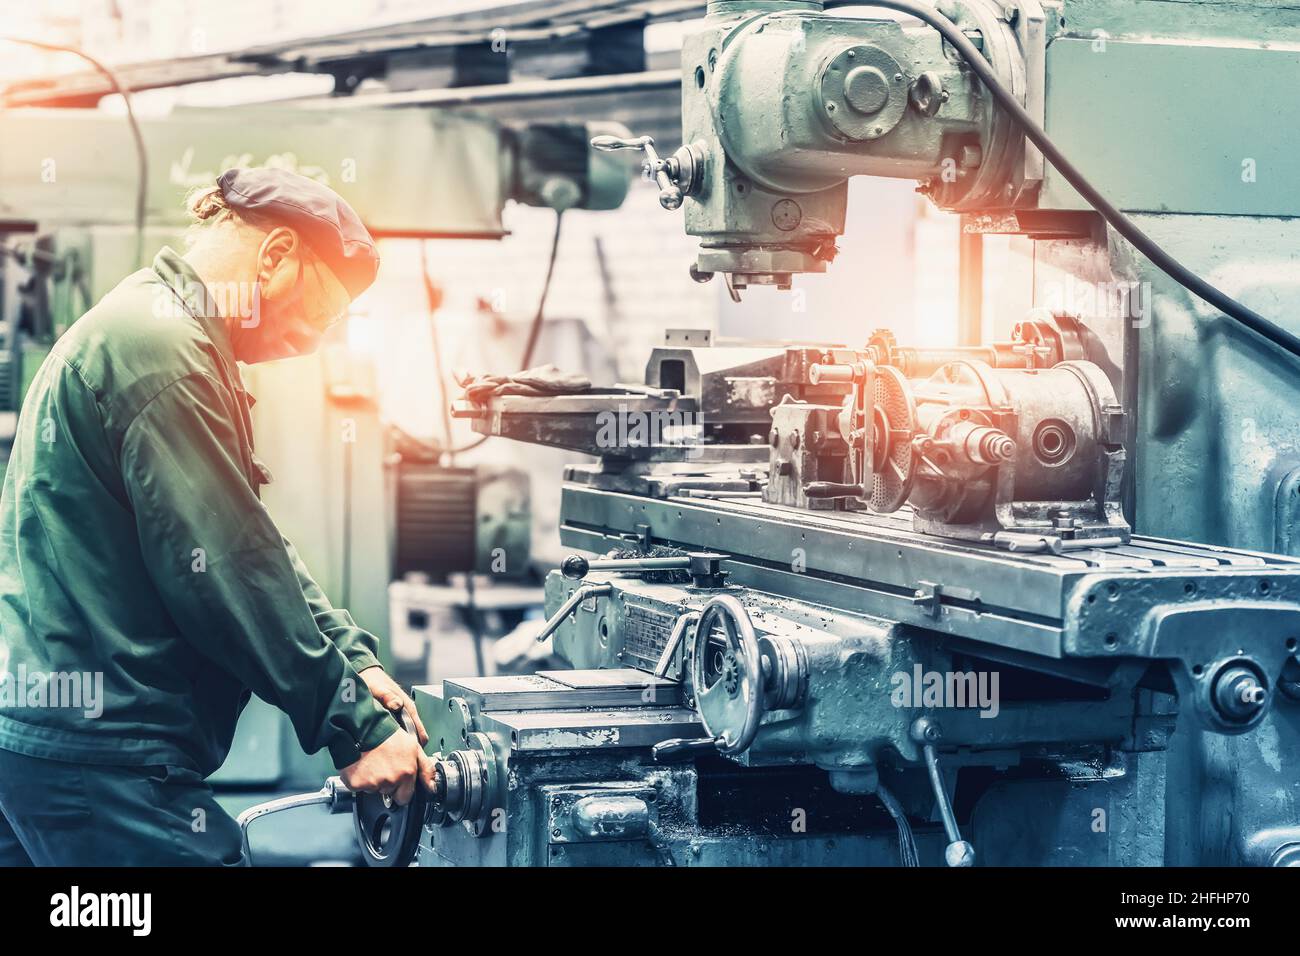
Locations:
(397, 766)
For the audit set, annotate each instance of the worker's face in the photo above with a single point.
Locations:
(296, 298)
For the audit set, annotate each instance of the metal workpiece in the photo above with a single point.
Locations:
(640, 424)
(732, 386)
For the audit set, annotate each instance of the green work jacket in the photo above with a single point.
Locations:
(135, 552)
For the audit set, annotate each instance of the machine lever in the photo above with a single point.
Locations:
(575, 566)
(832, 489)
(959, 852)
(681, 748)
(664, 171)
(568, 607)
(704, 567)
(674, 641)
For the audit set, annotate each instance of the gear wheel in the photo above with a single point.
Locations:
(881, 345)
(893, 425)
(731, 674)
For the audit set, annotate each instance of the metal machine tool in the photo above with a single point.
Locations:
(781, 103)
(1044, 477)
(866, 603)
(775, 662)
(1024, 457)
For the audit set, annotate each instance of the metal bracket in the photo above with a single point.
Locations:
(1031, 30)
(929, 597)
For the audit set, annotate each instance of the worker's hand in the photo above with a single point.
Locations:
(396, 767)
(386, 690)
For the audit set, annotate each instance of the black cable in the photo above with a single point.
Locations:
(906, 841)
(142, 156)
(535, 332)
(1229, 306)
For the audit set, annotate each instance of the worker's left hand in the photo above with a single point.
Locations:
(386, 690)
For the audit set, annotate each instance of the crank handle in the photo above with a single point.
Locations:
(335, 794)
(664, 171)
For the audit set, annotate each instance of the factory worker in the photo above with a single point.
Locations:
(145, 591)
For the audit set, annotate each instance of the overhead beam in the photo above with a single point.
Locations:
(603, 33)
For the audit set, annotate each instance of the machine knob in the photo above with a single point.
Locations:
(960, 853)
(1239, 694)
(575, 567)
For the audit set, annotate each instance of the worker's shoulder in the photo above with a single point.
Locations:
(139, 332)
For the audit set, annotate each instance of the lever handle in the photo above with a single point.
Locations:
(335, 795)
(832, 489)
(610, 143)
(680, 748)
(670, 193)
(575, 566)
(568, 607)
(959, 852)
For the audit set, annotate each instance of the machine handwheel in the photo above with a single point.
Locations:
(726, 670)
(388, 834)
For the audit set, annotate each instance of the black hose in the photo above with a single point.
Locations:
(141, 155)
(1229, 306)
(535, 332)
